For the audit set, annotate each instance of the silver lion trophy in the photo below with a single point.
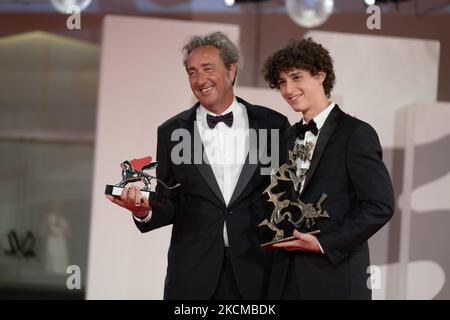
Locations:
(291, 213)
(133, 171)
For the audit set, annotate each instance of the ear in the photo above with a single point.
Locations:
(232, 72)
(321, 75)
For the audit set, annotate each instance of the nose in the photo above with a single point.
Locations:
(201, 79)
(288, 88)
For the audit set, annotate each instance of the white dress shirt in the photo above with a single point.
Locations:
(310, 137)
(226, 148)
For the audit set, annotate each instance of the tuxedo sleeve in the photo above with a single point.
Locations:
(164, 212)
(374, 203)
(283, 141)
(286, 124)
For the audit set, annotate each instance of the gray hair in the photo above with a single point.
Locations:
(227, 49)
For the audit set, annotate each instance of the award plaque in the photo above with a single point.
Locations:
(133, 171)
(289, 214)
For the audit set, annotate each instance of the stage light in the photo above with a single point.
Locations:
(309, 13)
(229, 3)
(378, 2)
(66, 6)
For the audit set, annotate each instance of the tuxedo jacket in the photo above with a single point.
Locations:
(347, 166)
(198, 212)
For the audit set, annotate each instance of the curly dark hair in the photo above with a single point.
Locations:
(303, 54)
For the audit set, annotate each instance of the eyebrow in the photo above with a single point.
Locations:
(290, 74)
(294, 73)
(208, 65)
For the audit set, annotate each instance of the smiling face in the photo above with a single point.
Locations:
(303, 91)
(211, 82)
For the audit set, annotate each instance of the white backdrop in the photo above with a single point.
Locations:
(379, 75)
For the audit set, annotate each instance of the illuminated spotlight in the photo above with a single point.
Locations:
(233, 2)
(309, 14)
(67, 6)
(372, 2)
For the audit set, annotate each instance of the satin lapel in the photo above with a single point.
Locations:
(248, 169)
(197, 159)
(327, 130)
(290, 138)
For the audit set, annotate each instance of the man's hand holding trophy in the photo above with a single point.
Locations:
(138, 200)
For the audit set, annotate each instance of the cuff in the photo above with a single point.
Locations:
(143, 220)
(320, 247)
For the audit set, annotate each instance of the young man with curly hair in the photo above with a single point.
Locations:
(346, 165)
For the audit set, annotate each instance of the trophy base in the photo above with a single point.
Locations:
(116, 191)
(269, 244)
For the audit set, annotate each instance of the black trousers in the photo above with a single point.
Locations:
(291, 290)
(227, 288)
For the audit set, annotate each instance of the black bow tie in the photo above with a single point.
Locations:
(301, 128)
(213, 120)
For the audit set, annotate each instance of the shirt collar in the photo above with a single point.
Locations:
(321, 117)
(202, 112)
(233, 107)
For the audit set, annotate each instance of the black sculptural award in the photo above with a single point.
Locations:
(133, 171)
(289, 214)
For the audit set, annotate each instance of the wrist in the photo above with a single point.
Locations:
(141, 214)
(146, 216)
